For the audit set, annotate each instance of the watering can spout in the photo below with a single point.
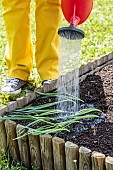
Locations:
(75, 12)
(71, 32)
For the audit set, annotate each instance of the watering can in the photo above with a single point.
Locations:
(75, 12)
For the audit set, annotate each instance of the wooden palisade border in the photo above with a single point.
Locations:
(47, 152)
(52, 153)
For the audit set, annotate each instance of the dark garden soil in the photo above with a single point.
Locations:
(96, 89)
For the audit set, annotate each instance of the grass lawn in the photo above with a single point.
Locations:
(97, 42)
(6, 165)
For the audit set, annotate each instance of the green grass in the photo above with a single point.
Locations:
(99, 31)
(5, 164)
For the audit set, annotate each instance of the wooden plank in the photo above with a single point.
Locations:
(3, 137)
(12, 105)
(71, 151)
(23, 148)
(110, 56)
(109, 163)
(59, 153)
(46, 152)
(21, 102)
(35, 153)
(50, 86)
(83, 77)
(98, 161)
(3, 109)
(84, 158)
(11, 143)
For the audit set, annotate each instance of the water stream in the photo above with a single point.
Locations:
(68, 82)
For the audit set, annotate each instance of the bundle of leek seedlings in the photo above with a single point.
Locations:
(49, 119)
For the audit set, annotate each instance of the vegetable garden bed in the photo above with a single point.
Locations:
(84, 151)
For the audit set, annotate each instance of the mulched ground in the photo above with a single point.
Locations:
(97, 90)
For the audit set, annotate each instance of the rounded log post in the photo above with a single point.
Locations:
(46, 152)
(3, 137)
(12, 144)
(98, 161)
(35, 153)
(84, 158)
(109, 163)
(23, 148)
(71, 151)
(59, 153)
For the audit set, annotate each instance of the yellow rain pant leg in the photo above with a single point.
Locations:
(17, 23)
(48, 17)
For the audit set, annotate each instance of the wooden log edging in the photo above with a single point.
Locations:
(98, 161)
(84, 158)
(99, 63)
(12, 144)
(3, 137)
(71, 154)
(45, 151)
(35, 152)
(23, 145)
(59, 153)
(94, 66)
(109, 163)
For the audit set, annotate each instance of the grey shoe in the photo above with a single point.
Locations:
(49, 85)
(12, 86)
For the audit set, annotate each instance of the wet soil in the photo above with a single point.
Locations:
(96, 89)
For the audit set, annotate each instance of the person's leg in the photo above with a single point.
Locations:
(48, 17)
(16, 15)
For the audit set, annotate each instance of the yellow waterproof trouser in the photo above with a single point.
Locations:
(16, 14)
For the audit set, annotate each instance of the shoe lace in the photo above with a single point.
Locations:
(13, 81)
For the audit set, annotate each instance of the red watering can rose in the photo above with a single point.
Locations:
(75, 12)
